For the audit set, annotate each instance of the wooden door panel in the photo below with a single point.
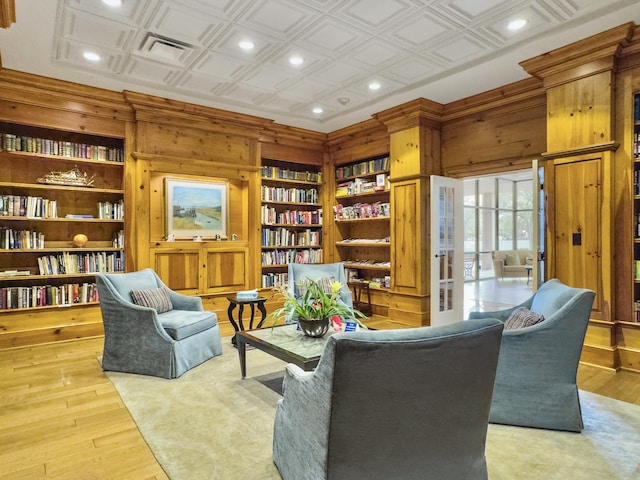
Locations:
(178, 270)
(227, 270)
(578, 212)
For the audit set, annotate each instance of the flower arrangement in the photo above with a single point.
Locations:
(314, 304)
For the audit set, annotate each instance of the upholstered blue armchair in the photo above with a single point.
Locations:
(391, 404)
(316, 271)
(536, 376)
(152, 330)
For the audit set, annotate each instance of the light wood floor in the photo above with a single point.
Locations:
(61, 418)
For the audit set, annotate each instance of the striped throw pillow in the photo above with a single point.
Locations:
(157, 298)
(522, 317)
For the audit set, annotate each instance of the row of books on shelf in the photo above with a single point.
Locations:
(383, 265)
(359, 185)
(636, 145)
(363, 168)
(47, 295)
(20, 239)
(361, 210)
(278, 173)
(283, 237)
(296, 195)
(67, 263)
(28, 206)
(355, 241)
(275, 279)
(284, 257)
(270, 215)
(111, 210)
(22, 143)
(118, 239)
(636, 311)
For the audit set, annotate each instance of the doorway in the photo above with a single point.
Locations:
(499, 215)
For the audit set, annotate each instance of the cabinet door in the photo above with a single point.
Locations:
(578, 225)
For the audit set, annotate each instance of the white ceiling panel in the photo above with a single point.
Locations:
(414, 48)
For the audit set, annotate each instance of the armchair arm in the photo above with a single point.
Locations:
(501, 315)
(498, 267)
(185, 302)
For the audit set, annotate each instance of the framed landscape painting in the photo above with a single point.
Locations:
(196, 209)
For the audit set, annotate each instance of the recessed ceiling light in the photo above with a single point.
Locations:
(317, 110)
(113, 3)
(296, 60)
(91, 56)
(517, 24)
(374, 86)
(246, 45)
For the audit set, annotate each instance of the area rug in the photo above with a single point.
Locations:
(210, 424)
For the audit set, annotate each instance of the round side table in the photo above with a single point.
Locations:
(252, 302)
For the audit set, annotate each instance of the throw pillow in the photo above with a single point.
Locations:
(522, 317)
(511, 259)
(157, 298)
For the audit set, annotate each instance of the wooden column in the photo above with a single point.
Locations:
(414, 130)
(580, 86)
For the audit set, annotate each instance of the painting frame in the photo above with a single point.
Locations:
(196, 209)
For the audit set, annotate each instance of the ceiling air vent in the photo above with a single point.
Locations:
(165, 49)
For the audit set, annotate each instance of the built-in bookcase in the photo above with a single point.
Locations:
(361, 214)
(56, 186)
(636, 206)
(291, 218)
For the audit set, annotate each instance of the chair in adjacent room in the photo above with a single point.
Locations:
(539, 356)
(391, 404)
(152, 330)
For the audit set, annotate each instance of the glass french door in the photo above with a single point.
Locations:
(447, 252)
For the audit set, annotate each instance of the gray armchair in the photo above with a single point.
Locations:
(138, 339)
(316, 271)
(391, 404)
(536, 376)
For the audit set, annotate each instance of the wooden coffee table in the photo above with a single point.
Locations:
(284, 342)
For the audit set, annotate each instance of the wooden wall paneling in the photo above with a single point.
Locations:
(362, 140)
(496, 139)
(628, 335)
(580, 113)
(179, 267)
(44, 102)
(227, 269)
(19, 328)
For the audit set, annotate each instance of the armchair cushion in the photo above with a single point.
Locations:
(181, 324)
(156, 298)
(522, 317)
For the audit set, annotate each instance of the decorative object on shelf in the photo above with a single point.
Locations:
(196, 208)
(314, 308)
(73, 178)
(80, 240)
